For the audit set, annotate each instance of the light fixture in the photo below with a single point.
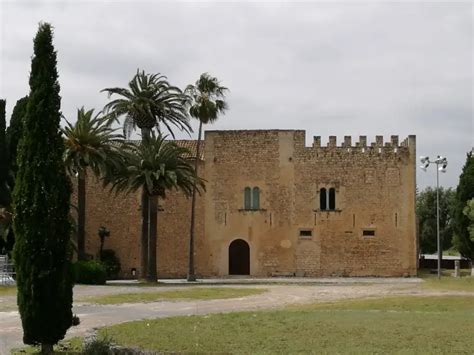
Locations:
(424, 159)
(441, 165)
(425, 162)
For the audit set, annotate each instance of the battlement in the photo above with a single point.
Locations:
(362, 144)
(298, 140)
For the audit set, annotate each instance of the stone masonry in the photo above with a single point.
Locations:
(370, 231)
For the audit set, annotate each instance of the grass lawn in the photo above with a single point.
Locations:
(7, 291)
(402, 325)
(7, 299)
(70, 346)
(195, 293)
(447, 282)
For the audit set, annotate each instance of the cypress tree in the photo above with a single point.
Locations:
(15, 130)
(464, 192)
(4, 168)
(41, 205)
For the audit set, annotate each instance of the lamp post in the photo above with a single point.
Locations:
(441, 164)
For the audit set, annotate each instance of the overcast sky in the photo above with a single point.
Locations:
(330, 68)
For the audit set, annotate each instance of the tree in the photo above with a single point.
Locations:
(13, 134)
(15, 129)
(208, 102)
(156, 166)
(149, 102)
(91, 144)
(464, 192)
(5, 219)
(4, 164)
(426, 212)
(41, 207)
(469, 212)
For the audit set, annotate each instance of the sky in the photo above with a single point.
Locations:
(330, 68)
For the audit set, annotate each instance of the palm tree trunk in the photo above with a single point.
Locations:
(152, 276)
(191, 273)
(144, 236)
(81, 215)
(145, 221)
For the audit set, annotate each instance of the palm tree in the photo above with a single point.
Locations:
(208, 102)
(148, 102)
(91, 144)
(156, 166)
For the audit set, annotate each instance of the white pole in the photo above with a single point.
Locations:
(437, 221)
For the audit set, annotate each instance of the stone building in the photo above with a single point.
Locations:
(274, 206)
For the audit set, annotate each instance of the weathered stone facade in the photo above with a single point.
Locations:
(366, 227)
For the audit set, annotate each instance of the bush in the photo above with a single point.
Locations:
(75, 320)
(98, 346)
(111, 263)
(90, 273)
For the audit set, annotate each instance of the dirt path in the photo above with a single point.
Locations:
(277, 296)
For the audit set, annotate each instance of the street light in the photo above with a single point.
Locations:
(441, 164)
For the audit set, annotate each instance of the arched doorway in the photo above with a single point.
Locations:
(239, 258)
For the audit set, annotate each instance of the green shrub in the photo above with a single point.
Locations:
(90, 273)
(98, 346)
(111, 263)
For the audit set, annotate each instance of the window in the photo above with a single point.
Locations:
(322, 199)
(368, 233)
(252, 198)
(327, 199)
(255, 198)
(306, 233)
(247, 198)
(332, 198)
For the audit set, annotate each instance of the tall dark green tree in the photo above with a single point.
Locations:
(208, 102)
(464, 192)
(426, 212)
(13, 135)
(41, 201)
(14, 131)
(4, 183)
(469, 212)
(4, 163)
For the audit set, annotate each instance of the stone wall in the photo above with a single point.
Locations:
(121, 214)
(375, 191)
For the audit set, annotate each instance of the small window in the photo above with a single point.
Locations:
(255, 198)
(322, 199)
(332, 198)
(247, 198)
(368, 233)
(252, 198)
(306, 233)
(327, 199)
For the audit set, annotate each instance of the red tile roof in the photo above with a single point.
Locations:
(190, 144)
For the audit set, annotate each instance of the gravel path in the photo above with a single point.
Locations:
(277, 296)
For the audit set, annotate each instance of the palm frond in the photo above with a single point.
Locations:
(90, 143)
(208, 99)
(149, 101)
(158, 165)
